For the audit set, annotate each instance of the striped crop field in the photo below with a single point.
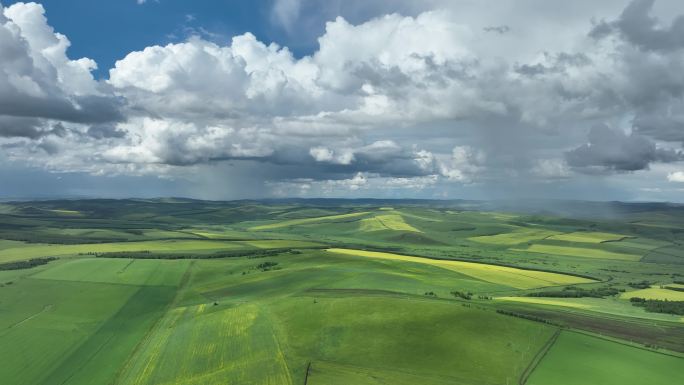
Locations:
(509, 276)
(385, 222)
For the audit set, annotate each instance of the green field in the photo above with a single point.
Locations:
(582, 252)
(174, 292)
(73, 332)
(606, 306)
(148, 272)
(515, 237)
(189, 346)
(588, 237)
(306, 221)
(579, 359)
(26, 251)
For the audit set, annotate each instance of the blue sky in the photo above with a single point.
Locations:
(106, 30)
(472, 99)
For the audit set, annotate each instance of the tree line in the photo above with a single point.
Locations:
(659, 306)
(19, 265)
(578, 292)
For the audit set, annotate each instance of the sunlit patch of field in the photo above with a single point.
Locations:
(209, 345)
(280, 244)
(515, 237)
(32, 250)
(508, 276)
(408, 214)
(218, 233)
(499, 216)
(386, 222)
(6, 209)
(588, 237)
(582, 252)
(72, 213)
(546, 301)
(305, 221)
(655, 293)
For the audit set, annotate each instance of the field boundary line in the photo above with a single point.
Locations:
(306, 375)
(45, 308)
(99, 282)
(123, 270)
(182, 284)
(276, 340)
(623, 342)
(660, 323)
(538, 357)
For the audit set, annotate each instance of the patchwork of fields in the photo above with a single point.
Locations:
(185, 293)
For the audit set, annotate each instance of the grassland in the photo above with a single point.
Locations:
(147, 272)
(582, 252)
(400, 334)
(189, 346)
(515, 237)
(306, 221)
(74, 332)
(588, 237)
(362, 293)
(26, 251)
(580, 359)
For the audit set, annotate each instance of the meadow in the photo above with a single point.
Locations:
(184, 292)
(598, 361)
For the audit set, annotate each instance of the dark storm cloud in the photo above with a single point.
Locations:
(383, 159)
(557, 63)
(103, 131)
(91, 109)
(500, 29)
(637, 26)
(613, 150)
(31, 128)
(662, 125)
(654, 70)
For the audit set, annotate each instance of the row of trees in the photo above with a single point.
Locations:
(578, 292)
(18, 265)
(659, 306)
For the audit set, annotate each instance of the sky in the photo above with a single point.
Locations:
(440, 99)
